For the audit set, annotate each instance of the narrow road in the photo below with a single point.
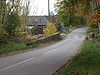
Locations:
(44, 61)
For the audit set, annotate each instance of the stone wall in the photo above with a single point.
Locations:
(53, 37)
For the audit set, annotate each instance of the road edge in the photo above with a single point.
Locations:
(62, 68)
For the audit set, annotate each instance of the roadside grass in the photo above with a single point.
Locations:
(11, 47)
(87, 62)
(6, 48)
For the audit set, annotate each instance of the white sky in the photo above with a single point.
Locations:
(40, 7)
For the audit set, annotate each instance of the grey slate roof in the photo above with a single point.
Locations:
(41, 20)
(37, 20)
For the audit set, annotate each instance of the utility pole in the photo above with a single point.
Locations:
(49, 9)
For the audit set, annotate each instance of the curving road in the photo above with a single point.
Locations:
(44, 61)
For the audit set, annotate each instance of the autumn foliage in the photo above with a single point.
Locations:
(51, 29)
(93, 20)
(94, 17)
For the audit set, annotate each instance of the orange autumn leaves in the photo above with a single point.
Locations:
(94, 17)
(93, 20)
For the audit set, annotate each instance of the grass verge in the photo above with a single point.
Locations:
(87, 62)
(11, 46)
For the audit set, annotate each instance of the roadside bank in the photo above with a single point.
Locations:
(87, 62)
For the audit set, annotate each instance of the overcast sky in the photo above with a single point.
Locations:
(40, 7)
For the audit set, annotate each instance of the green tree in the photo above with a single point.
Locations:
(13, 15)
(2, 19)
(66, 11)
(13, 21)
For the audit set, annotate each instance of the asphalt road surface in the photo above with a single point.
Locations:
(44, 61)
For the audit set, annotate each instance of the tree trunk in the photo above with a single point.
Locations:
(99, 28)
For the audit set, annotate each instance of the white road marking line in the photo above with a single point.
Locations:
(24, 61)
(50, 51)
(17, 64)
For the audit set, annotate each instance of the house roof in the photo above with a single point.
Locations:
(41, 20)
(37, 20)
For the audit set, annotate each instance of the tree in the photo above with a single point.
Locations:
(13, 15)
(2, 19)
(66, 11)
(12, 24)
(51, 29)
